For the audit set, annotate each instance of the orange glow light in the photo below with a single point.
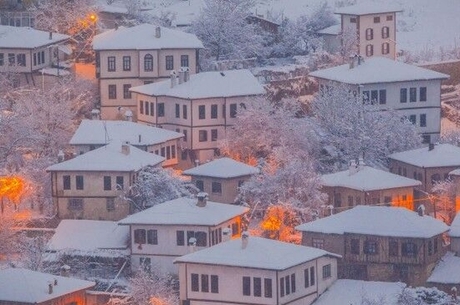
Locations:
(11, 187)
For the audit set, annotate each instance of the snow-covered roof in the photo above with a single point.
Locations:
(27, 286)
(455, 172)
(447, 270)
(368, 179)
(100, 132)
(142, 37)
(377, 70)
(207, 85)
(441, 155)
(109, 158)
(184, 211)
(353, 291)
(27, 38)
(377, 220)
(368, 8)
(222, 168)
(260, 253)
(89, 236)
(332, 30)
(455, 227)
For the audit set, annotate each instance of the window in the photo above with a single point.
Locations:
(145, 263)
(199, 185)
(66, 182)
(107, 183)
(257, 281)
(213, 134)
(202, 112)
(185, 134)
(369, 50)
(110, 204)
(184, 112)
(173, 151)
(202, 136)
(180, 238)
(422, 94)
(11, 59)
(423, 120)
(152, 237)
(120, 183)
(213, 111)
(282, 286)
(161, 109)
(111, 64)
(318, 243)
(413, 119)
(2, 59)
(350, 201)
(195, 282)
(126, 63)
(306, 278)
(435, 243)
(169, 62)
(327, 271)
(352, 19)
(293, 286)
(79, 182)
(177, 111)
(385, 32)
(75, 204)
(268, 288)
(141, 107)
(426, 138)
(430, 247)
(374, 96)
(184, 60)
(435, 178)
(337, 200)
(370, 247)
(214, 284)
(139, 236)
(354, 246)
(112, 92)
(403, 95)
(369, 34)
(205, 283)
(393, 248)
(126, 92)
(201, 238)
(216, 187)
(366, 96)
(42, 56)
(413, 95)
(387, 199)
(233, 110)
(312, 276)
(389, 17)
(168, 152)
(246, 285)
(152, 107)
(163, 152)
(409, 249)
(376, 19)
(146, 107)
(385, 48)
(21, 59)
(224, 111)
(148, 63)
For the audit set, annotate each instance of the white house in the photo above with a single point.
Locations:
(255, 270)
(413, 91)
(91, 185)
(174, 228)
(128, 57)
(92, 134)
(201, 106)
(221, 178)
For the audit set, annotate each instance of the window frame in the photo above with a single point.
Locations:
(126, 63)
(66, 182)
(112, 91)
(79, 182)
(169, 62)
(111, 64)
(148, 63)
(423, 94)
(369, 50)
(184, 61)
(126, 93)
(369, 34)
(216, 187)
(107, 183)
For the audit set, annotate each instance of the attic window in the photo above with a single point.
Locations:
(389, 17)
(352, 19)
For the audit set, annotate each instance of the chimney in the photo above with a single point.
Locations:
(95, 114)
(60, 156)
(430, 146)
(173, 78)
(244, 239)
(202, 199)
(353, 168)
(186, 75)
(353, 61)
(65, 270)
(181, 75)
(50, 288)
(361, 163)
(116, 26)
(140, 138)
(129, 115)
(157, 32)
(50, 35)
(125, 148)
(360, 60)
(55, 282)
(421, 210)
(192, 244)
(226, 234)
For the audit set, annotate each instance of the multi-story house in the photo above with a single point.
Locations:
(23, 286)
(379, 243)
(364, 185)
(375, 27)
(255, 270)
(412, 91)
(92, 134)
(15, 13)
(201, 106)
(91, 185)
(25, 51)
(129, 57)
(174, 228)
(221, 178)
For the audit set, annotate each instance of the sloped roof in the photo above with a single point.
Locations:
(447, 270)
(206, 85)
(260, 253)
(377, 220)
(368, 8)
(101, 132)
(142, 37)
(27, 38)
(184, 211)
(368, 179)
(222, 168)
(377, 70)
(441, 155)
(89, 236)
(331, 30)
(27, 286)
(109, 158)
(455, 172)
(455, 227)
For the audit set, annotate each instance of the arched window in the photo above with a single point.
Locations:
(369, 50)
(385, 32)
(385, 48)
(148, 62)
(369, 34)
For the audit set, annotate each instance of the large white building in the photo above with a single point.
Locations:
(413, 91)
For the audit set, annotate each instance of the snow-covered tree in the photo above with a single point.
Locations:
(349, 43)
(445, 193)
(8, 237)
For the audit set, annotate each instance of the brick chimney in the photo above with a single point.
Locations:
(244, 239)
(158, 32)
(202, 199)
(125, 149)
(173, 78)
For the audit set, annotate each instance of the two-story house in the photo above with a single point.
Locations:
(91, 185)
(176, 227)
(128, 57)
(221, 178)
(364, 185)
(25, 51)
(201, 106)
(379, 243)
(92, 134)
(413, 91)
(255, 270)
(23, 286)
